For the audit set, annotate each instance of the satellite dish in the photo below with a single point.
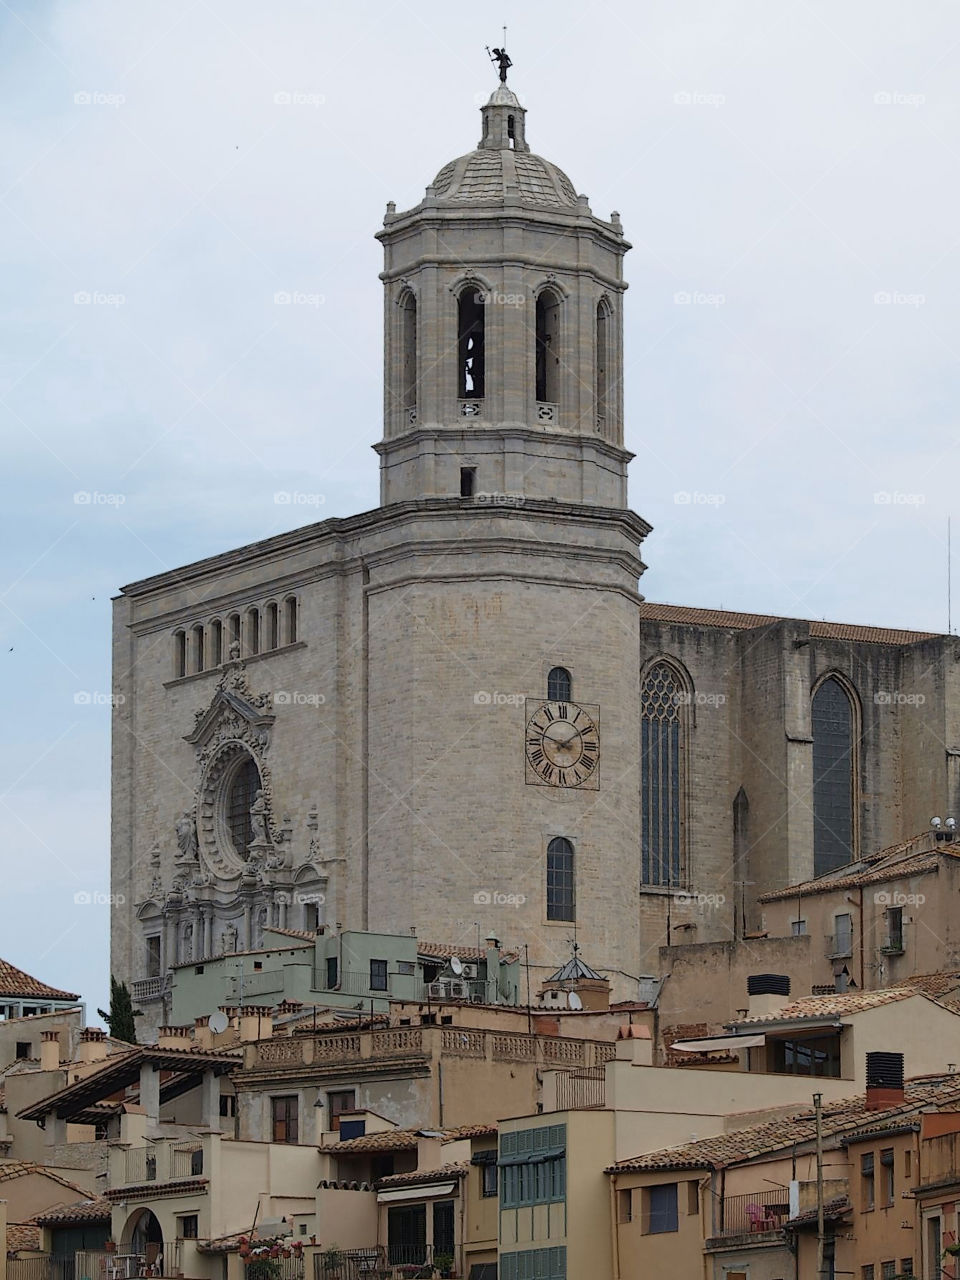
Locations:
(574, 1001)
(219, 1022)
(456, 964)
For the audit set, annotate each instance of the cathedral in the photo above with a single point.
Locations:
(456, 714)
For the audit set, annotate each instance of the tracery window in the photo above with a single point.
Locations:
(240, 797)
(834, 773)
(663, 706)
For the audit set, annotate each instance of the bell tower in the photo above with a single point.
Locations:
(503, 341)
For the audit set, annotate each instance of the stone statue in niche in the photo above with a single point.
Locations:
(234, 650)
(228, 939)
(186, 948)
(258, 820)
(186, 838)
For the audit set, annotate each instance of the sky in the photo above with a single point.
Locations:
(788, 174)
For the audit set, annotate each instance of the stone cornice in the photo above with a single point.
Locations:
(504, 431)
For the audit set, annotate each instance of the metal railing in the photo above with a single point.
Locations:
(384, 1262)
(838, 945)
(754, 1212)
(186, 1160)
(140, 1165)
(581, 1090)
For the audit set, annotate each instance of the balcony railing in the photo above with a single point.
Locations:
(386, 1262)
(140, 1164)
(186, 1160)
(150, 988)
(754, 1212)
(839, 946)
(581, 1090)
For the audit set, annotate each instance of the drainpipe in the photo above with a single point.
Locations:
(863, 976)
(614, 1225)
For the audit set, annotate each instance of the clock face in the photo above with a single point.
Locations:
(562, 744)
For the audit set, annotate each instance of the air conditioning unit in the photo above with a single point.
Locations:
(448, 989)
(469, 971)
(437, 990)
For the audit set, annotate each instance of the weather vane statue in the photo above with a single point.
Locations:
(501, 58)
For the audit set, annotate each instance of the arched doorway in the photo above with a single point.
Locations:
(143, 1236)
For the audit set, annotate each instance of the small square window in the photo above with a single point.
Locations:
(188, 1226)
(798, 928)
(23, 1049)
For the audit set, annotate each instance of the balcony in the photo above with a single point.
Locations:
(892, 945)
(143, 990)
(158, 1162)
(839, 946)
(386, 1262)
(754, 1213)
(581, 1090)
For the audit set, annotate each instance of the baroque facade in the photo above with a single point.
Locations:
(456, 713)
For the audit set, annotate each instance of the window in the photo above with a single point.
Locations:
(534, 1264)
(866, 1272)
(548, 347)
(661, 1208)
(273, 626)
(470, 344)
(468, 476)
(153, 956)
(663, 778)
(285, 1113)
(228, 1105)
(291, 607)
(603, 357)
(338, 1102)
(907, 1163)
(198, 649)
(798, 928)
(216, 642)
(406, 1234)
(253, 631)
(833, 776)
(866, 1181)
(893, 941)
(234, 624)
(888, 1269)
(188, 1226)
(408, 351)
(887, 1175)
(443, 1233)
(843, 935)
(559, 685)
(906, 1266)
(180, 654)
(241, 794)
(488, 1180)
(378, 975)
(23, 1049)
(561, 888)
(815, 1056)
(625, 1205)
(332, 972)
(311, 917)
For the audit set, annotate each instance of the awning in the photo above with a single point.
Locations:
(426, 1191)
(719, 1042)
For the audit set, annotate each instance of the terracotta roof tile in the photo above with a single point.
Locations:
(838, 1005)
(832, 1209)
(734, 621)
(386, 1140)
(471, 1131)
(426, 1176)
(843, 1116)
(25, 1168)
(912, 857)
(14, 982)
(94, 1209)
(22, 1237)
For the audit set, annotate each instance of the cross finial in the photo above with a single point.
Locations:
(501, 58)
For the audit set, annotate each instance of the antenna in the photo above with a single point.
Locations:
(574, 1001)
(219, 1022)
(456, 964)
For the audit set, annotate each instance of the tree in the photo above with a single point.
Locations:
(121, 1020)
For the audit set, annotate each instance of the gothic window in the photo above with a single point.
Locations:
(548, 346)
(216, 642)
(273, 626)
(470, 343)
(198, 654)
(253, 631)
(408, 350)
(663, 699)
(234, 624)
(561, 889)
(559, 685)
(241, 794)
(603, 356)
(180, 654)
(834, 771)
(291, 606)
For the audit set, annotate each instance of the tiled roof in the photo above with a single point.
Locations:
(14, 982)
(843, 1116)
(308, 935)
(426, 1176)
(22, 1237)
(444, 950)
(25, 1168)
(838, 1005)
(733, 621)
(387, 1140)
(933, 984)
(95, 1209)
(832, 1209)
(916, 856)
(471, 1131)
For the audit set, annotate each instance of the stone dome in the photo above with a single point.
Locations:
(492, 175)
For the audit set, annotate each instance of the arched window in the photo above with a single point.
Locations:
(559, 685)
(663, 701)
(242, 792)
(603, 356)
(291, 605)
(198, 653)
(834, 772)
(179, 654)
(216, 642)
(273, 626)
(408, 350)
(470, 343)
(253, 631)
(741, 858)
(561, 887)
(548, 347)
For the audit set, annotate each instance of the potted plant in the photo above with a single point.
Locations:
(110, 1246)
(444, 1264)
(332, 1263)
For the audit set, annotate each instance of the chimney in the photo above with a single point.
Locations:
(634, 1044)
(767, 993)
(202, 1035)
(884, 1080)
(93, 1045)
(49, 1050)
(173, 1037)
(256, 1022)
